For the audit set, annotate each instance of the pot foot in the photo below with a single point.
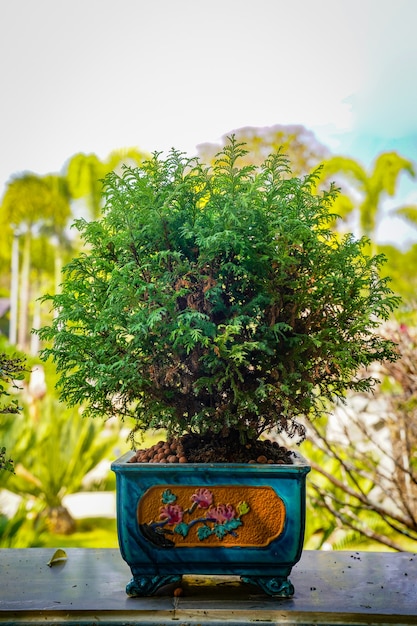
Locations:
(272, 585)
(141, 586)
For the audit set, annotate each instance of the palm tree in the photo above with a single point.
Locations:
(85, 172)
(124, 156)
(23, 205)
(31, 203)
(55, 223)
(372, 186)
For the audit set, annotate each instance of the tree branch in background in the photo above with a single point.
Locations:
(365, 456)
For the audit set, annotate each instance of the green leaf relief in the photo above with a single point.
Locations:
(168, 497)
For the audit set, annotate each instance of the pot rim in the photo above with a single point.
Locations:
(299, 465)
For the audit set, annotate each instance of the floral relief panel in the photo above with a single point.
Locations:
(228, 515)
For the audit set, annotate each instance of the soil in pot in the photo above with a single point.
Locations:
(214, 448)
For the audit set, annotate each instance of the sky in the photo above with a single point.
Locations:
(99, 75)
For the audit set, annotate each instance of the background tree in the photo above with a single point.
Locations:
(297, 142)
(6, 246)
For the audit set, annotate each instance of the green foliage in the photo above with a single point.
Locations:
(63, 448)
(24, 531)
(20, 531)
(5, 463)
(216, 298)
(53, 449)
(401, 267)
(12, 368)
(90, 533)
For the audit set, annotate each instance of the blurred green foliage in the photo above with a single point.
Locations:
(76, 190)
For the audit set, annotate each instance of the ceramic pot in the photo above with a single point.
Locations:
(220, 519)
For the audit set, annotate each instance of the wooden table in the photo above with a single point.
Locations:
(88, 588)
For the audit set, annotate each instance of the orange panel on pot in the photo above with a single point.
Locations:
(227, 515)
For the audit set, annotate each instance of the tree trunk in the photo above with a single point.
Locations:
(14, 290)
(22, 336)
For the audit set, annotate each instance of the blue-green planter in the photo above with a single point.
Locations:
(220, 519)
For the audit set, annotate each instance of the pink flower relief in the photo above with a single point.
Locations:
(203, 498)
(221, 513)
(171, 514)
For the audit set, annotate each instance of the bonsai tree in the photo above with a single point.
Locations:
(217, 302)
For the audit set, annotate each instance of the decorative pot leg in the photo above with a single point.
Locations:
(272, 585)
(148, 585)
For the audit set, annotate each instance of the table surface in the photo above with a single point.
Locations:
(89, 586)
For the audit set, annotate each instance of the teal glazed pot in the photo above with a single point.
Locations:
(244, 520)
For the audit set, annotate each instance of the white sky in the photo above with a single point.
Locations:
(97, 75)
